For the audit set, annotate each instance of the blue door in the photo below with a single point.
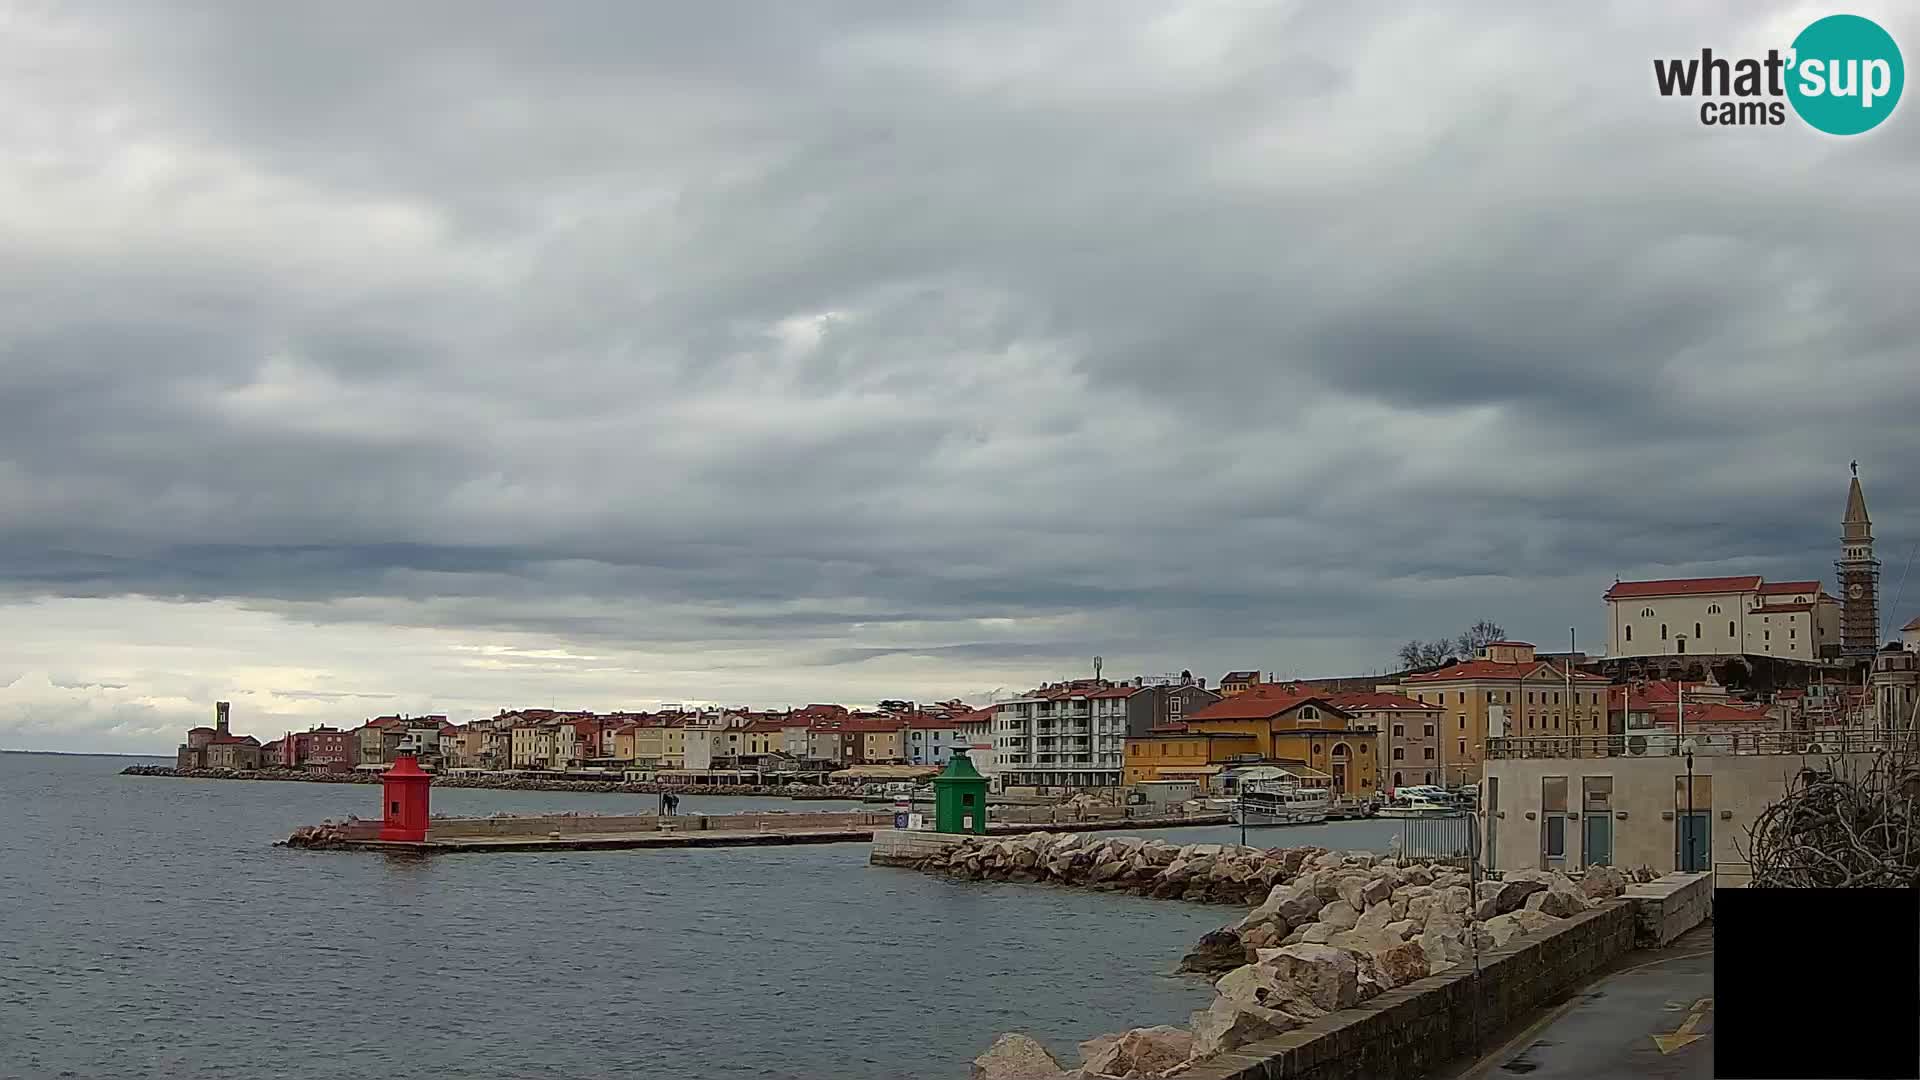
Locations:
(1598, 849)
(1695, 842)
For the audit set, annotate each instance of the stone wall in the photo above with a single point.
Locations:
(1670, 906)
(1408, 1032)
(901, 847)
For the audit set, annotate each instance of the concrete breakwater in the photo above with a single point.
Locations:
(501, 783)
(587, 832)
(1331, 931)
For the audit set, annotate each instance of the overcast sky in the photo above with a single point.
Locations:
(364, 358)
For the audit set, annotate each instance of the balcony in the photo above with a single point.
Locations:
(1706, 743)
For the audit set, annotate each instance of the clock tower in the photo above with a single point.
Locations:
(1858, 574)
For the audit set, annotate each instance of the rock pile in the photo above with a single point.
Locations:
(1330, 930)
(1204, 873)
(326, 837)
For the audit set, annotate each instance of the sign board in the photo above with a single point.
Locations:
(916, 821)
(900, 820)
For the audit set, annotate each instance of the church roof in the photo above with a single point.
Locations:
(1914, 625)
(1683, 586)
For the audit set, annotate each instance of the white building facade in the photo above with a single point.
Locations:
(1794, 620)
(1067, 735)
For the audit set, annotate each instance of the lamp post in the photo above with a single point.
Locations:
(1686, 829)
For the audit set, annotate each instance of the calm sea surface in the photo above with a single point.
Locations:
(148, 928)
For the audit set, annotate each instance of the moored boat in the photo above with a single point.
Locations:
(1269, 803)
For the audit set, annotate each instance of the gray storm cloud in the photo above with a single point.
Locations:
(844, 351)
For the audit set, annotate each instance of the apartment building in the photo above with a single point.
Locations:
(1062, 735)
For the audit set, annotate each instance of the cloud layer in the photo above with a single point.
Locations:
(461, 356)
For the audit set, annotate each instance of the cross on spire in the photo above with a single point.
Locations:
(1856, 467)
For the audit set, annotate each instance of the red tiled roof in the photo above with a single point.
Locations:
(234, 740)
(929, 722)
(1775, 588)
(202, 727)
(1495, 669)
(852, 725)
(1116, 692)
(1380, 703)
(1683, 586)
(1263, 702)
(1711, 713)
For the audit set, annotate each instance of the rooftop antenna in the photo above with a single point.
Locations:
(1098, 663)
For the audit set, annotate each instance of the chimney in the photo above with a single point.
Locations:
(220, 717)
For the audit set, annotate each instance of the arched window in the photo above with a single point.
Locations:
(1646, 613)
(1339, 750)
(1713, 609)
(1397, 781)
(1308, 712)
(1696, 629)
(1629, 632)
(1363, 748)
(1729, 627)
(1663, 631)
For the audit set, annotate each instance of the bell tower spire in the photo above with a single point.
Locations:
(1858, 574)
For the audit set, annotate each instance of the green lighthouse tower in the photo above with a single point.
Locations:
(960, 797)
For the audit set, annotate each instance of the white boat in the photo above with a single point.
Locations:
(1270, 803)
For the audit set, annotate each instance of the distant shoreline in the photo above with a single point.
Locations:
(84, 753)
(467, 780)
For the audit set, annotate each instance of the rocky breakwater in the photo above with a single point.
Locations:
(1331, 930)
(1204, 873)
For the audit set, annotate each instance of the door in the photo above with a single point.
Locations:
(1553, 823)
(1597, 846)
(1696, 840)
(1596, 808)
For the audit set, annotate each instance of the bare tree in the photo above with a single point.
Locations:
(1426, 654)
(1477, 637)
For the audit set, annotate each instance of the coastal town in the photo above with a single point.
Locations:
(1732, 669)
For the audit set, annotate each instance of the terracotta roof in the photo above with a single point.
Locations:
(235, 740)
(1711, 713)
(1380, 703)
(1775, 588)
(1117, 692)
(1523, 644)
(1495, 669)
(204, 727)
(855, 725)
(1263, 702)
(1914, 625)
(928, 722)
(1683, 586)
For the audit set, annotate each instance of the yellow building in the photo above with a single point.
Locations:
(1508, 691)
(1170, 754)
(660, 747)
(881, 744)
(1293, 725)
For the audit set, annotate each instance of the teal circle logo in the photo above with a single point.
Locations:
(1847, 75)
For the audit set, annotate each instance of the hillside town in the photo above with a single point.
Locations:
(1731, 667)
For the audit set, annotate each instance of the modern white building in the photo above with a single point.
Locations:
(1722, 616)
(1070, 735)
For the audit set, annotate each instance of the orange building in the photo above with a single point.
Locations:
(1287, 723)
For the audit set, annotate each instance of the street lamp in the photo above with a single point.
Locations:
(1687, 747)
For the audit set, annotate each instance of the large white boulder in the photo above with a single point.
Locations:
(1015, 1056)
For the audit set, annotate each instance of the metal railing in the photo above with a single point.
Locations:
(1436, 838)
(1710, 743)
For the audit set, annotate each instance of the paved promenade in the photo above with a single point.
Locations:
(1651, 1019)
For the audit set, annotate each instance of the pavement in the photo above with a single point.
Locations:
(1652, 1018)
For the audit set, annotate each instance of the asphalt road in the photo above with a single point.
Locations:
(1651, 1019)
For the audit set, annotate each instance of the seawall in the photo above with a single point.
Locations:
(1409, 1032)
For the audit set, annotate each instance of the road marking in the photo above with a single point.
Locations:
(1684, 1035)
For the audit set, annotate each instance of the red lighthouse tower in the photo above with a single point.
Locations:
(404, 793)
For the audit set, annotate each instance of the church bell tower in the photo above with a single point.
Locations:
(1858, 575)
